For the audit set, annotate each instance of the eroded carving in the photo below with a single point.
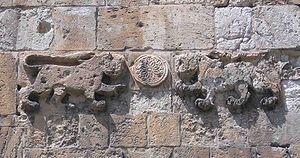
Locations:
(56, 78)
(237, 79)
(150, 70)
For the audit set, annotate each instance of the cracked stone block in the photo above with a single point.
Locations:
(272, 152)
(164, 129)
(62, 130)
(128, 131)
(157, 27)
(150, 102)
(8, 76)
(197, 130)
(276, 27)
(11, 142)
(162, 152)
(93, 131)
(233, 130)
(127, 3)
(230, 152)
(233, 28)
(191, 151)
(203, 2)
(9, 20)
(35, 30)
(291, 95)
(74, 28)
(57, 2)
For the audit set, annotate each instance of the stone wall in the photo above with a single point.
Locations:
(150, 78)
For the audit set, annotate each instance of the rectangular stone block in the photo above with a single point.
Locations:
(191, 151)
(108, 153)
(164, 129)
(57, 2)
(9, 20)
(272, 152)
(74, 28)
(255, 2)
(291, 95)
(8, 87)
(93, 131)
(7, 121)
(157, 27)
(62, 130)
(128, 131)
(163, 152)
(37, 153)
(203, 2)
(127, 3)
(276, 27)
(197, 130)
(233, 28)
(35, 29)
(11, 142)
(230, 152)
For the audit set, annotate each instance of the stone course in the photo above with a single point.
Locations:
(150, 78)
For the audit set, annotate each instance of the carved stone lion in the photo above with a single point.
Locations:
(238, 78)
(87, 73)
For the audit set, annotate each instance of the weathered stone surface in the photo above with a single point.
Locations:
(272, 152)
(294, 150)
(142, 102)
(8, 87)
(163, 152)
(255, 2)
(9, 20)
(74, 28)
(231, 152)
(164, 129)
(295, 1)
(108, 153)
(72, 152)
(5, 3)
(37, 153)
(126, 3)
(62, 130)
(157, 27)
(93, 131)
(128, 131)
(198, 130)
(233, 28)
(11, 142)
(191, 151)
(7, 121)
(276, 26)
(35, 30)
(57, 2)
(291, 94)
(204, 2)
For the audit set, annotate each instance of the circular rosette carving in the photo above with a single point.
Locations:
(150, 70)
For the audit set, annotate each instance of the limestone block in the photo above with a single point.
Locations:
(11, 142)
(203, 2)
(295, 1)
(126, 3)
(6, 3)
(37, 153)
(108, 153)
(35, 30)
(294, 150)
(291, 95)
(162, 152)
(72, 152)
(8, 85)
(128, 131)
(256, 2)
(191, 151)
(150, 102)
(62, 130)
(272, 152)
(230, 152)
(74, 28)
(57, 2)
(197, 130)
(164, 129)
(157, 27)
(9, 20)
(233, 28)
(276, 27)
(93, 131)
(8, 120)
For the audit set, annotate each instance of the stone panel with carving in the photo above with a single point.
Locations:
(78, 81)
(234, 81)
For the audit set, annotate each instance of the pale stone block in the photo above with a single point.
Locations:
(9, 20)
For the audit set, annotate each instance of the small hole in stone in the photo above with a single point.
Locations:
(44, 27)
(43, 80)
(140, 24)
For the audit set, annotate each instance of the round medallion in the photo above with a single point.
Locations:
(150, 70)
